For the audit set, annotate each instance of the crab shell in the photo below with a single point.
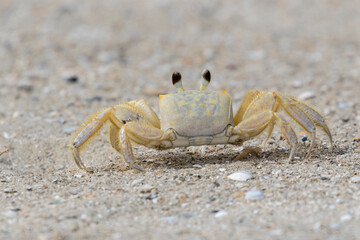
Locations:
(196, 113)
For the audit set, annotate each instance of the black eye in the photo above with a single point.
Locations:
(206, 75)
(176, 77)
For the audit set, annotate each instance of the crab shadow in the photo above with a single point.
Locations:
(184, 158)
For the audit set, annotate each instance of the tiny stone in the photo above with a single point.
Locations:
(254, 195)
(346, 218)
(72, 79)
(306, 95)
(15, 209)
(152, 196)
(240, 176)
(94, 99)
(355, 179)
(217, 184)
(137, 181)
(212, 198)
(197, 166)
(29, 189)
(11, 214)
(188, 215)
(78, 175)
(170, 220)
(343, 105)
(26, 87)
(335, 225)
(146, 188)
(61, 167)
(69, 130)
(9, 190)
(296, 84)
(345, 119)
(221, 213)
(222, 169)
(304, 139)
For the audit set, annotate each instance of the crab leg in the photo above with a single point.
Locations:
(138, 111)
(145, 110)
(254, 125)
(248, 100)
(86, 132)
(140, 134)
(288, 133)
(308, 118)
(316, 117)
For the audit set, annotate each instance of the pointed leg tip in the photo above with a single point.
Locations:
(137, 168)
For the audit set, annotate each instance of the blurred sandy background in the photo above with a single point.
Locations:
(63, 60)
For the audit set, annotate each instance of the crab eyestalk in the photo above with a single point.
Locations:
(176, 79)
(205, 79)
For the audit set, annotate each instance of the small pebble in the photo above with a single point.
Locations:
(78, 175)
(346, 218)
(69, 130)
(221, 213)
(145, 188)
(304, 139)
(94, 99)
(254, 195)
(72, 79)
(222, 169)
(296, 84)
(9, 190)
(343, 105)
(11, 214)
(217, 184)
(137, 181)
(152, 196)
(170, 220)
(26, 87)
(240, 176)
(335, 225)
(197, 166)
(345, 119)
(212, 198)
(355, 179)
(307, 95)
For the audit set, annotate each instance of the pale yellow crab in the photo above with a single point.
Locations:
(193, 118)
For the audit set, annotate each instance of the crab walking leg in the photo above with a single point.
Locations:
(87, 131)
(316, 117)
(141, 134)
(288, 133)
(270, 129)
(246, 103)
(300, 117)
(255, 124)
(145, 110)
(114, 132)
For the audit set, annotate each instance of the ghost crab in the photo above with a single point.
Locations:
(193, 118)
